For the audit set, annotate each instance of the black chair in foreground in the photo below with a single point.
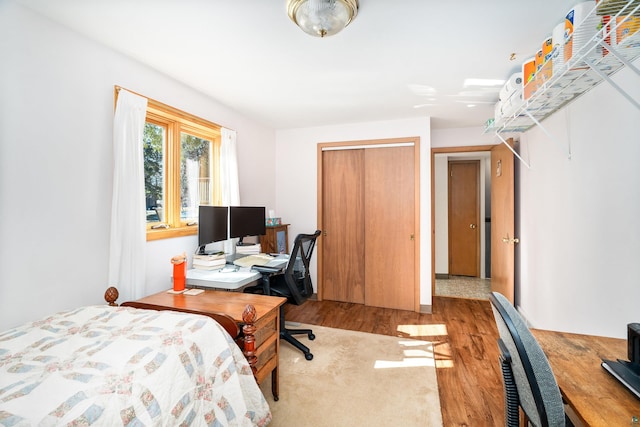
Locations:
(529, 382)
(293, 282)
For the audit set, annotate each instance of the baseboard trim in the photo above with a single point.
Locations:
(428, 309)
(441, 276)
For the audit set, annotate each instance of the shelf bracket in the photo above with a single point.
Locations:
(567, 151)
(608, 79)
(512, 150)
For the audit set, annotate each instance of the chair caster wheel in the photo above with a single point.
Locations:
(308, 356)
(312, 337)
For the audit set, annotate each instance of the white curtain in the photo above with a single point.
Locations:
(128, 221)
(229, 176)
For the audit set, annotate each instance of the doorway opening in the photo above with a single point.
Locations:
(448, 283)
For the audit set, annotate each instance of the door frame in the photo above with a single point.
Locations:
(434, 151)
(375, 143)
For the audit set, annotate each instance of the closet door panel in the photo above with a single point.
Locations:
(343, 244)
(389, 199)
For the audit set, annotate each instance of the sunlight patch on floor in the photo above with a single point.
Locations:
(423, 330)
(417, 354)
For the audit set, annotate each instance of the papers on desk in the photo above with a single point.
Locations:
(209, 262)
(258, 259)
(249, 249)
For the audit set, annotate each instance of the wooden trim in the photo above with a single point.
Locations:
(165, 110)
(416, 189)
(463, 149)
(171, 232)
(368, 143)
(319, 242)
(358, 144)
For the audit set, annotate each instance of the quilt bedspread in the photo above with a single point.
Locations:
(111, 366)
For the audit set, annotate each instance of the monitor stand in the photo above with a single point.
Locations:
(233, 257)
(241, 243)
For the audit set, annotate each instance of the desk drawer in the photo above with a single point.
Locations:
(266, 327)
(266, 370)
(266, 351)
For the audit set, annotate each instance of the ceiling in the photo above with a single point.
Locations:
(397, 59)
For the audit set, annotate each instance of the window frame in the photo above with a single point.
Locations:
(175, 123)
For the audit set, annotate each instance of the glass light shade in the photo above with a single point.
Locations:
(322, 18)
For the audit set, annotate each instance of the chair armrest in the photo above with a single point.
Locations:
(266, 270)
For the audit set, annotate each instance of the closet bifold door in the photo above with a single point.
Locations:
(343, 240)
(389, 227)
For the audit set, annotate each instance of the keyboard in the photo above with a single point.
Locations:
(626, 372)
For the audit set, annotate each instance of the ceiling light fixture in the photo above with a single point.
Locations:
(322, 18)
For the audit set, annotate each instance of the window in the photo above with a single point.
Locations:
(181, 170)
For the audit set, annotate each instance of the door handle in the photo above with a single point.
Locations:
(509, 240)
(472, 226)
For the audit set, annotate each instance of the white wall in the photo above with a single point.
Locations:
(461, 137)
(580, 217)
(56, 113)
(296, 178)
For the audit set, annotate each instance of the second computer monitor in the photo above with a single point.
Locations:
(246, 221)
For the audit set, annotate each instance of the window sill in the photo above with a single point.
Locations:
(169, 233)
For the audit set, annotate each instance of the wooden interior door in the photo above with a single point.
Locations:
(343, 239)
(464, 218)
(502, 221)
(390, 227)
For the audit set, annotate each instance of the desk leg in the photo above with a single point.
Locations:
(266, 285)
(275, 376)
(275, 387)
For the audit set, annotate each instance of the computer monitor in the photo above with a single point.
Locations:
(246, 221)
(212, 225)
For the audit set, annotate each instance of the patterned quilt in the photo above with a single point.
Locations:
(111, 366)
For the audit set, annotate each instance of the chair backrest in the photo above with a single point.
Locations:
(296, 274)
(537, 389)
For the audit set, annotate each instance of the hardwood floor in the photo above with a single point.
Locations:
(464, 335)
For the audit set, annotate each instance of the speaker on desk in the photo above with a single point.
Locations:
(633, 342)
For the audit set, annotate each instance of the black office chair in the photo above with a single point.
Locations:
(528, 380)
(293, 283)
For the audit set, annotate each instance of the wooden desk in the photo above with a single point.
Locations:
(594, 395)
(267, 323)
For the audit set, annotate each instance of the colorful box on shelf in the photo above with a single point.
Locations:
(270, 222)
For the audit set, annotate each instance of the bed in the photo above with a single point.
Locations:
(110, 365)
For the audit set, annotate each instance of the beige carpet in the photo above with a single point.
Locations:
(356, 379)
